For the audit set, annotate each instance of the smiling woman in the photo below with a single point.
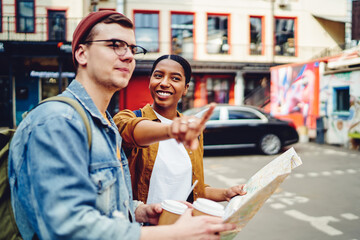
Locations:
(168, 83)
(161, 168)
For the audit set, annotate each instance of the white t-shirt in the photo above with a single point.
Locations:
(172, 173)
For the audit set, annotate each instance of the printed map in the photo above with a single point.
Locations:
(259, 188)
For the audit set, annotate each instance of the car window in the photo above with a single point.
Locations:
(215, 115)
(191, 112)
(240, 114)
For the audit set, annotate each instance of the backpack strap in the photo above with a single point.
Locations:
(76, 105)
(137, 113)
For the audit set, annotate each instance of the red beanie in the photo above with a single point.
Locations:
(84, 27)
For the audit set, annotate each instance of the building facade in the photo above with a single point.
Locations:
(339, 100)
(231, 45)
(322, 98)
(35, 53)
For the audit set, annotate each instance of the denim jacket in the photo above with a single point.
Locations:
(59, 188)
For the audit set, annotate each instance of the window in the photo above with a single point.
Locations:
(187, 101)
(218, 90)
(285, 36)
(215, 115)
(256, 41)
(342, 99)
(57, 25)
(217, 34)
(50, 86)
(147, 30)
(25, 16)
(241, 115)
(182, 34)
(5, 105)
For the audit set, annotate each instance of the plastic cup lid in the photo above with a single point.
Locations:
(174, 206)
(209, 207)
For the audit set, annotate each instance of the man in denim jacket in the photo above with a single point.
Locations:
(60, 188)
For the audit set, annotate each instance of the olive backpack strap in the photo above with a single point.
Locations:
(76, 105)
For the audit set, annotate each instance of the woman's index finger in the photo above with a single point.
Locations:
(208, 113)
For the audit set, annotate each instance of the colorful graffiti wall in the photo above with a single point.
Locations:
(343, 123)
(294, 93)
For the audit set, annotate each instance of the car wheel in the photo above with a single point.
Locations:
(270, 144)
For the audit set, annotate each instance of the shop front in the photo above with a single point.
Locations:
(32, 71)
(203, 89)
(36, 86)
(216, 82)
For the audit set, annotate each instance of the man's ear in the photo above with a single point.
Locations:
(186, 89)
(81, 54)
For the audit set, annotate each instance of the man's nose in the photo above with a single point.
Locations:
(128, 55)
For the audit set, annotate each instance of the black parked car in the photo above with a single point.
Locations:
(233, 127)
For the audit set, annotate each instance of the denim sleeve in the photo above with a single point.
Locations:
(63, 193)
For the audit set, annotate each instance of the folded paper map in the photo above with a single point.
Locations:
(259, 188)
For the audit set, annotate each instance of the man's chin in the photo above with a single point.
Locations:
(120, 84)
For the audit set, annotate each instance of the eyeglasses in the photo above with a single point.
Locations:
(120, 47)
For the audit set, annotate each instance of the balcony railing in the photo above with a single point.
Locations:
(61, 29)
(330, 51)
(37, 29)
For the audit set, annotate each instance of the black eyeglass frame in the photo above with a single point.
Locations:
(114, 41)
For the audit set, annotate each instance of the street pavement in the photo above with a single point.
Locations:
(319, 200)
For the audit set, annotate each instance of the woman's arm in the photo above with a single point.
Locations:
(143, 132)
(224, 194)
(147, 132)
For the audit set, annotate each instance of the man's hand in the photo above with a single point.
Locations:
(187, 128)
(189, 228)
(200, 227)
(148, 213)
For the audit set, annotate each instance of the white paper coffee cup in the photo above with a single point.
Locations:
(204, 206)
(172, 210)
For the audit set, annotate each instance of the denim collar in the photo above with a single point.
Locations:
(77, 90)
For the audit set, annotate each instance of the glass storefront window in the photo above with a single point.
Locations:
(217, 90)
(147, 30)
(285, 36)
(5, 107)
(50, 86)
(217, 34)
(182, 34)
(25, 18)
(256, 44)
